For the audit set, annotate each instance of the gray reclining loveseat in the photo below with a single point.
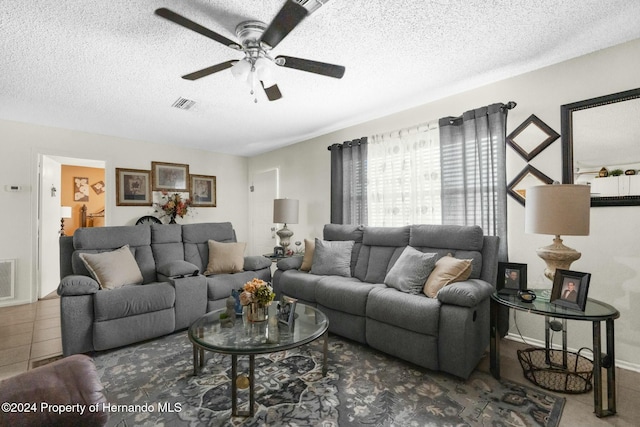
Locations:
(449, 332)
(171, 293)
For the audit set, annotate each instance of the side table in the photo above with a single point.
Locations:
(595, 312)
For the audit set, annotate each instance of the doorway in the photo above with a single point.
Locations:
(53, 194)
(264, 189)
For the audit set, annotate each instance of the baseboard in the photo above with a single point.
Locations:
(539, 343)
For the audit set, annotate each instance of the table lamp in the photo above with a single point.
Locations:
(557, 209)
(285, 211)
(65, 212)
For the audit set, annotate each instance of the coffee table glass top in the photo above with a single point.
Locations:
(594, 310)
(245, 337)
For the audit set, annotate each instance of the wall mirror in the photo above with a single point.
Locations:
(601, 136)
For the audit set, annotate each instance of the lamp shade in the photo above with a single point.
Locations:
(65, 211)
(285, 211)
(559, 209)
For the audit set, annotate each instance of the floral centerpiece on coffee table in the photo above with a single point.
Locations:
(257, 295)
(173, 205)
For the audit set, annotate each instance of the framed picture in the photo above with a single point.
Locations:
(287, 310)
(169, 176)
(570, 289)
(98, 187)
(511, 278)
(80, 189)
(133, 187)
(203, 190)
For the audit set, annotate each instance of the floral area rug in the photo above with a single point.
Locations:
(152, 383)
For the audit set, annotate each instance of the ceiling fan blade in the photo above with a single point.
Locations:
(273, 93)
(330, 70)
(286, 20)
(209, 70)
(189, 24)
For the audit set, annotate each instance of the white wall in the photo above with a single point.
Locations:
(21, 143)
(611, 253)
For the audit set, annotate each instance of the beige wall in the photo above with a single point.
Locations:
(611, 253)
(21, 143)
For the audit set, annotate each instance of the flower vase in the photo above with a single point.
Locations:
(257, 312)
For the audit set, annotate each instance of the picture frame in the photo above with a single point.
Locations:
(202, 190)
(512, 278)
(80, 189)
(528, 177)
(169, 177)
(287, 310)
(570, 289)
(133, 187)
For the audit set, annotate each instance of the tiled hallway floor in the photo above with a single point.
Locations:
(31, 332)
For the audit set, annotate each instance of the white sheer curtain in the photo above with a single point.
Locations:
(403, 182)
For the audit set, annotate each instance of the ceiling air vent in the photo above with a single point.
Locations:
(183, 103)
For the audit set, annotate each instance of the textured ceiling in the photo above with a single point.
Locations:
(113, 67)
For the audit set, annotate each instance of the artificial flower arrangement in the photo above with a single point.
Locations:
(172, 205)
(257, 291)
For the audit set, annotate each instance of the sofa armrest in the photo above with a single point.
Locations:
(72, 381)
(469, 293)
(290, 263)
(256, 262)
(77, 285)
(178, 268)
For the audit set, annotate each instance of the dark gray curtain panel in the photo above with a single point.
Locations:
(349, 182)
(473, 162)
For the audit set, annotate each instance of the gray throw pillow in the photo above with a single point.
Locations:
(332, 258)
(411, 270)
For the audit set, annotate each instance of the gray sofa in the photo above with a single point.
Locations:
(449, 333)
(170, 296)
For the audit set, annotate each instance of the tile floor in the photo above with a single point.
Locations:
(31, 332)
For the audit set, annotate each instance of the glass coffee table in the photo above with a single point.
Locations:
(245, 338)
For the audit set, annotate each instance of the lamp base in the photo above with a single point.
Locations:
(557, 256)
(285, 237)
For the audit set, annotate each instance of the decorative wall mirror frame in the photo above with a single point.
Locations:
(614, 126)
(531, 137)
(528, 177)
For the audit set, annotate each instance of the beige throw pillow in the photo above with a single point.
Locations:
(225, 257)
(448, 270)
(309, 248)
(113, 269)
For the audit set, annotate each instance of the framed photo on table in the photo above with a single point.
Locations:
(287, 310)
(512, 278)
(570, 289)
(170, 177)
(133, 187)
(202, 190)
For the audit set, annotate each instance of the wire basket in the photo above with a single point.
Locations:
(551, 374)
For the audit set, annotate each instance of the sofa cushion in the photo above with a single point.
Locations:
(461, 237)
(307, 259)
(332, 258)
(166, 243)
(113, 269)
(299, 284)
(133, 300)
(345, 294)
(412, 312)
(219, 286)
(225, 257)
(195, 238)
(177, 267)
(409, 273)
(447, 270)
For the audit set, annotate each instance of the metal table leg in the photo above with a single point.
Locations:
(234, 387)
(325, 349)
(607, 361)
(494, 341)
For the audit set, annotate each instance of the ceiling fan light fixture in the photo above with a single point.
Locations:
(241, 69)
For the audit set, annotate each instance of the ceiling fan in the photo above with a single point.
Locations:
(256, 41)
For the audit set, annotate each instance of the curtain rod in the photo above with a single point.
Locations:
(508, 106)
